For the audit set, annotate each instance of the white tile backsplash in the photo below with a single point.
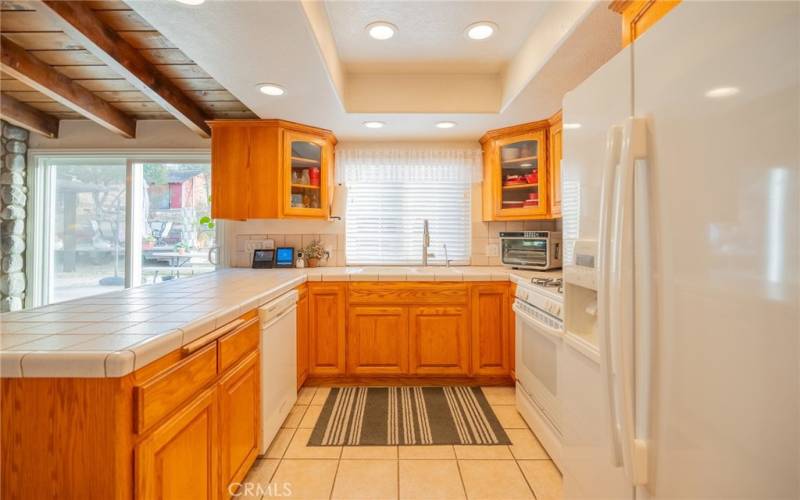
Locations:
(332, 242)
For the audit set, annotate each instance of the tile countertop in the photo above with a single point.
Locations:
(113, 334)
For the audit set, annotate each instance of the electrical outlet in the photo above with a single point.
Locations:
(492, 250)
(251, 245)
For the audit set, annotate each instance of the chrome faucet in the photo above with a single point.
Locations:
(446, 258)
(426, 242)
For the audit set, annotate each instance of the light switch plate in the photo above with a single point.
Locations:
(492, 250)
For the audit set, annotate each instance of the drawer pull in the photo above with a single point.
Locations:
(214, 335)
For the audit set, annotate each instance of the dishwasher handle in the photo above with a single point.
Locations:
(283, 314)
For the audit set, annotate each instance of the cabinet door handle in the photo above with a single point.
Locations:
(214, 335)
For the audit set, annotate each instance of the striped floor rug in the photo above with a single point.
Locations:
(363, 416)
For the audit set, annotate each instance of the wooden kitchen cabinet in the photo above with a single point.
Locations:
(554, 148)
(302, 335)
(377, 340)
(230, 163)
(179, 459)
(368, 329)
(515, 173)
(640, 15)
(491, 319)
(268, 169)
(240, 422)
(183, 426)
(522, 171)
(209, 440)
(306, 156)
(326, 326)
(439, 340)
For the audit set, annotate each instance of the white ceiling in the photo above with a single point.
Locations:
(430, 35)
(550, 48)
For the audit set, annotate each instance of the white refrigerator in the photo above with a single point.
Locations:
(680, 377)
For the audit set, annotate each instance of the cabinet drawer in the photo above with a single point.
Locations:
(158, 396)
(237, 344)
(408, 293)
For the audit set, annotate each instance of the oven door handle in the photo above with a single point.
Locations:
(548, 331)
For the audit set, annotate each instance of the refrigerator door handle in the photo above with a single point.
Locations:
(612, 158)
(630, 303)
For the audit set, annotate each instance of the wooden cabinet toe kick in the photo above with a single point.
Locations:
(401, 380)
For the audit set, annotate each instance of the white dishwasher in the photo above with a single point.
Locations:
(278, 364)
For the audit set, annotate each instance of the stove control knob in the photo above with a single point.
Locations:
(554, 309)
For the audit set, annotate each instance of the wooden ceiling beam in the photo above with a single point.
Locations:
(81, 23)
(26, 68)
(26, 116)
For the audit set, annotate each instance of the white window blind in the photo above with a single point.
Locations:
(570, 220)
(390, 195)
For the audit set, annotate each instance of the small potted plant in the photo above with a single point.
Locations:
(148, 243)
(181, 248)
(313, 252)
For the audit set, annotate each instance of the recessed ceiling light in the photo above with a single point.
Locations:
(446, 124)
(381, 30)
(481, 30)
(571, 126)
(271, 89)
(720, 92)
(374, 124)
(191, 2)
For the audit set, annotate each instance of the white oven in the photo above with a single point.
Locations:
(539, 338)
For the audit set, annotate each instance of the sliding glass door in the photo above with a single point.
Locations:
(106, 223)
(86, 251)
(177, 237)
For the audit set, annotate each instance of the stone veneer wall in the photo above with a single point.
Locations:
(13, 199)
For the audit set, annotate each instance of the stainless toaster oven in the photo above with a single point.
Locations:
(534, 250)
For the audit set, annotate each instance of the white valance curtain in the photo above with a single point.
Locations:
(408, 164)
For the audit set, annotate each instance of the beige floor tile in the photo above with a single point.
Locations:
(363, 479)
(299, 448)
(370, 452)
(306, 479)
(258, 479)
(294, 417)
(509, 417)
(437, 452)
(482, 452)
(310, 417)
(493, 479)
(525, 446)
(544, 478)
(500, 395)
(279, 443)
(430, 479)
(305, 395)
(320, 396)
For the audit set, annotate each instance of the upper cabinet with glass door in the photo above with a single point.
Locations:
(306, 166)
(270, 169)
(515, 181)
